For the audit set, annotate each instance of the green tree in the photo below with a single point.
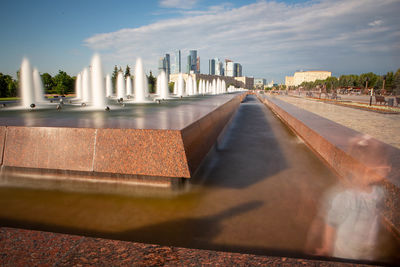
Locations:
(171, 87)
(127, 71)
(114, 76)
(396, 83)
(64, 83)
(8, 86)
(152, 83)
(48, 83)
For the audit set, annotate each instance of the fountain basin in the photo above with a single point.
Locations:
(159, 141)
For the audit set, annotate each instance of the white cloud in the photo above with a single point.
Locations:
(181, 4)
(270, 39)
(375, 23)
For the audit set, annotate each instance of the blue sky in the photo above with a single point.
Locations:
(270, 39)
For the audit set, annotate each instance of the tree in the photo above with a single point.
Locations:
(64, 84)
(171, 87)
(127, 71)
(8, 86)
(152, 83)
(396, 83)
(114, 76)
(48, 82)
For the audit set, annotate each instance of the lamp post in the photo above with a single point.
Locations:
(384, 81)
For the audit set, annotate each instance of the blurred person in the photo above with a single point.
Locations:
(350, 215)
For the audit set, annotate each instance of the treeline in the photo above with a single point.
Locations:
(62, 83)
(372, 80)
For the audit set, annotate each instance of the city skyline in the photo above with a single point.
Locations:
(272, 39)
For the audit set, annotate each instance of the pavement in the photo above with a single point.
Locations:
(384, 127)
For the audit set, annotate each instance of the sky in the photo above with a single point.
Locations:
(271, 39)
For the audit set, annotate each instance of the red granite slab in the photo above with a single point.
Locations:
(342, 148)
(2, 139)
(49, 148)
(140, 152)
(35, 248)
(200, 136)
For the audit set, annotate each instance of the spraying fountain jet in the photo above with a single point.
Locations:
(120, 86)
(108, 86)
(164, 91)
(181, 86)
(27, 89)
(98, 88)
(141, 86)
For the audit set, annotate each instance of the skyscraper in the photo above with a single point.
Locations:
(198, 65)
(167, 65)
(219, 67)
(237, 70)
(192, 61)
(211, 66)
(178, 62)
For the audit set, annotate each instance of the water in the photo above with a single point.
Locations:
(38, 87)
(121, 93)
(129, 91)
(164, 91)
(260, 191)
(78, 86)
(109, 87)
(86, 86)
(181, 85)
(141, 86)
(27, 86)
(97, 82)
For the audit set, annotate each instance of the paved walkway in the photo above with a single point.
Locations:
(384, 127)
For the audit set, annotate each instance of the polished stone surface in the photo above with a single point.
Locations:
(35, 248)
(381, 126)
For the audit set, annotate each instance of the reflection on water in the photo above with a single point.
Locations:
(259, 192)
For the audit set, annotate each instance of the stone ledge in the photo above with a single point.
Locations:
(334, 143)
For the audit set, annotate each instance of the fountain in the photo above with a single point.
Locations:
(38, 88)
(109, 90)
(175, 88)
(78, 86)
(194, 87)
(164, 91)
(141, 86)
(121, 86)
(214, 87)
(129, 91)
(97, 79)
(181, 85)
(27, 92)
(86, 88)
(189, 86)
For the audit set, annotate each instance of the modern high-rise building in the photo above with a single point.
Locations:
(229, 69)
(237, 70)
(211, 66)
(178, 62)
(192, 62)
(164, 64)
(198, 65)
(219, 67)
